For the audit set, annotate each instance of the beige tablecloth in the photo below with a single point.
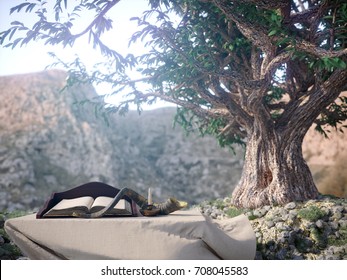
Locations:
(180, 235)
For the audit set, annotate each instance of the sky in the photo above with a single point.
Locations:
(34, 57)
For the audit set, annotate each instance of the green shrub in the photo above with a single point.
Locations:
(252, 217)
(233, 212)
(342, 240)
(312, 213)
(16, 214)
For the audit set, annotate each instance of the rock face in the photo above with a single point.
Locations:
(50, 142)
(327, 160)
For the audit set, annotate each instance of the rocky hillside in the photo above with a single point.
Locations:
(327, 160)
(48, 142)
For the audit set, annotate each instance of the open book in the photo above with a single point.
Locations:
(87, 204)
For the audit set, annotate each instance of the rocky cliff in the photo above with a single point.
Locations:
(49, 142)
(327, 160)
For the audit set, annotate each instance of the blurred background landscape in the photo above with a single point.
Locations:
(49, 142)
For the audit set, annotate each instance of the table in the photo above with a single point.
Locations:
(179, 236)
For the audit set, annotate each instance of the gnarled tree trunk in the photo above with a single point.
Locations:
(274, 171)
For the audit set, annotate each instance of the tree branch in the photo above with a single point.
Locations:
(303, 16)
(271, 67)
(256, 62)
(254, 32)
(277, 106)
(234, 108)
(316, 20)
(312, 49)
(205, 94)
(233, 127)
(267, 4)
(304, 115)
(110, 5)
(199, 111)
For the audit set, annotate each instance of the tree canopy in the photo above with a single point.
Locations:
(232, 67)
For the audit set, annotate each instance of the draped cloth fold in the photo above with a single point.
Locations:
(178, 236)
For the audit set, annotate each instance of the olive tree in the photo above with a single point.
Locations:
(258, 73)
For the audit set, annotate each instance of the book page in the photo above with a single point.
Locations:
(85, 201)
(103, 201)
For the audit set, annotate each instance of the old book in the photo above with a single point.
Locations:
(87, 204)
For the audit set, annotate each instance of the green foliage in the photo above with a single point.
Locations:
(60, 31)
(214, 127)
(318, 237)
(274, 94)
(341, 241)
(252, 217)
(312, 213)
(8, 250)
(233, 212)
(218, 203)
(198, 57)
(275, 22)
(185, 119)
(334, 116)
(328, 63)
(301, 244)
(15, 214)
